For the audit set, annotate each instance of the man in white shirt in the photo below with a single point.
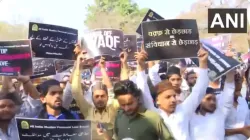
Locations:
(239, 115)
(211, 114)
(177, 117)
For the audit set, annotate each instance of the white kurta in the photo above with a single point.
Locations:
(177, 122)
(212, 125)
(238, 118)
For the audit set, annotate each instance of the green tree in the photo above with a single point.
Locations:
(13, 32)
(118, 14)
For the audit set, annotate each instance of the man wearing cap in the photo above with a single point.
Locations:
(177, 116)
(213, 111)
(101, 112)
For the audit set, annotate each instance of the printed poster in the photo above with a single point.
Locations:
(220, 42)
(218, 63)
(43, 67)
(62, 65)
(150, 16)
(130, 46)
(43, 129)
(15, 57)
(171, 39)
(51, 41)
(108, 43)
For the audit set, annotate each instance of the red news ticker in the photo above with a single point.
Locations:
(10, 69)
(7, 57)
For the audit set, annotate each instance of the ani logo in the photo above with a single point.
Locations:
(34, 27)
(25, 125)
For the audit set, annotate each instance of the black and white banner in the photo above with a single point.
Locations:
(218, 63)
(150, 16)
(108, 43)
(43, 67)
(41, 129)
(171, 39)
(51, 41)
(62, 65)
(130, 46)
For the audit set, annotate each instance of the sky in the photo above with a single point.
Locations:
(72, 13)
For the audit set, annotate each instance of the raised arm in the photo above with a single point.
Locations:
(67, 96)
(30, 89)
(141, 80)
(153, 69)
(190, 104)
(225, 101)
(105, 78)
(77, 91)
(108, 83)
(124, 66)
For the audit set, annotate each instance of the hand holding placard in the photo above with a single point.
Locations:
(124, 57)
(203, 58)
(141, 58)
(102, 63)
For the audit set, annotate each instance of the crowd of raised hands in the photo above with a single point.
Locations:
(140, 105)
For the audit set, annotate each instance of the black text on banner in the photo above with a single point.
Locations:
(218, 63)
(43, 67)
(39, 129)
(51, 41)
(171, 39)
(103, 42)
(130, 46)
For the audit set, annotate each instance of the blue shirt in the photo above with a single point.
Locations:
(62, 116)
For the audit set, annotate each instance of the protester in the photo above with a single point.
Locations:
(8, 108)
(213, 110)
(153, 98)
(238, 117)
(177, 117)
(101, 112)
(51, 97)
(11, 105)
(191, 78)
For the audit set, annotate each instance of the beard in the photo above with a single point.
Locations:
(8, 118)
(100, 105)
(210, 110)
(54, 107)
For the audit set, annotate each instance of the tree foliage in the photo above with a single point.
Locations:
(13, 32)
(118, 14)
